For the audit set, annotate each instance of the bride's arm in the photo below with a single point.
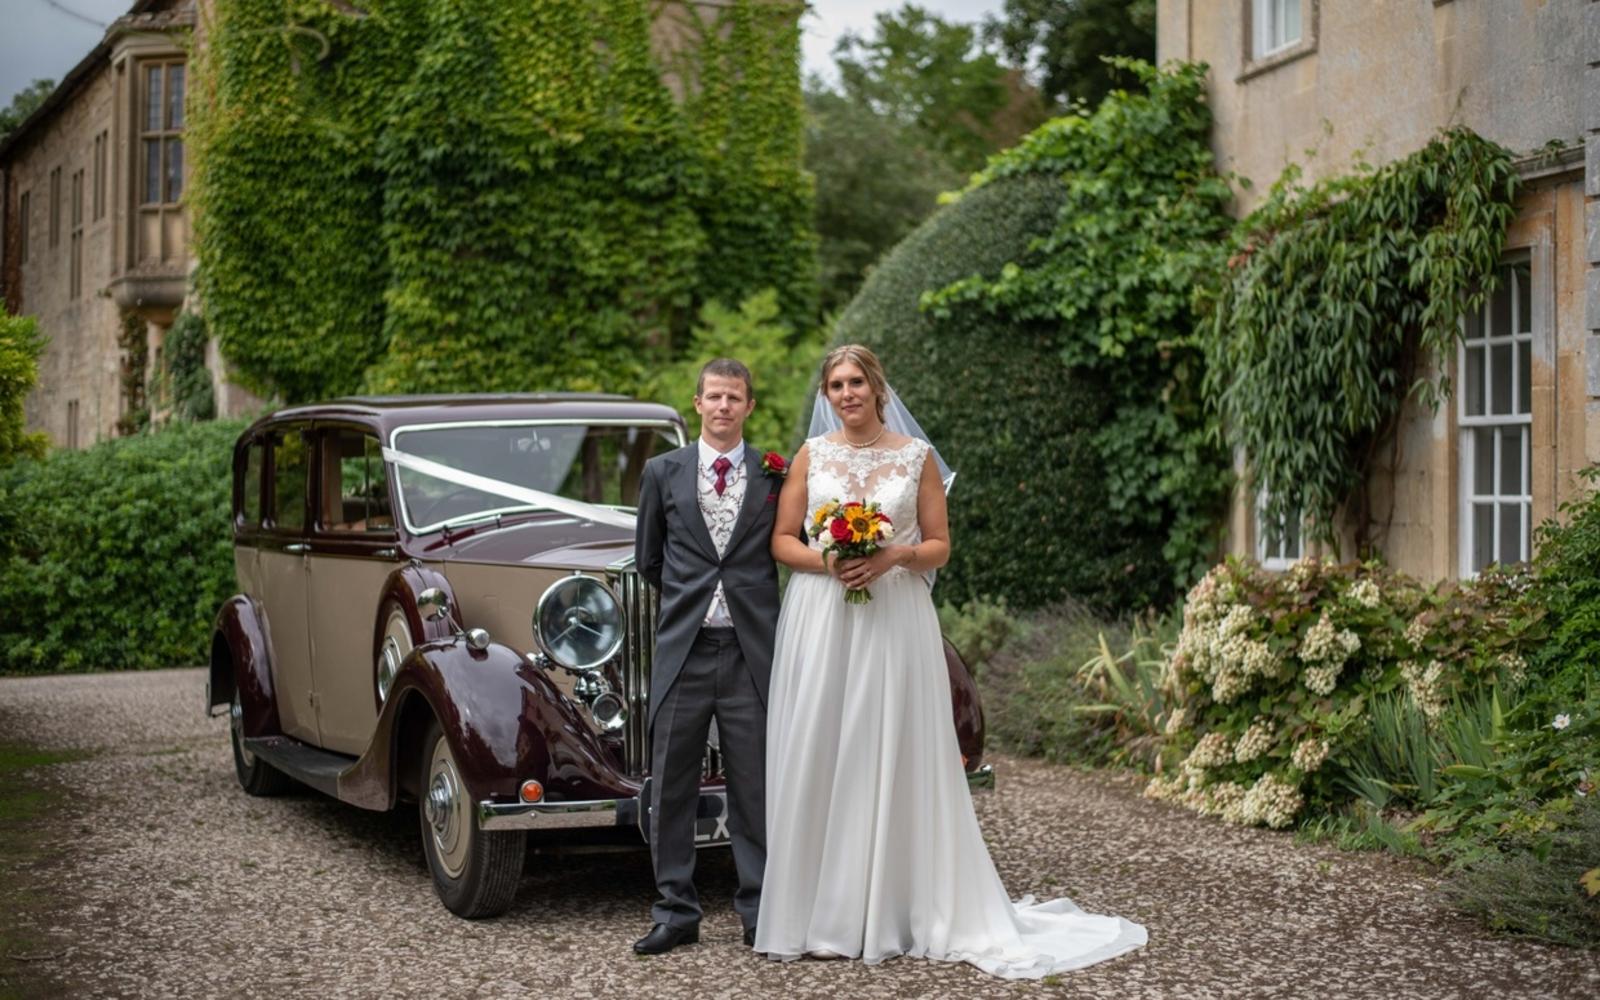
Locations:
(788, 525)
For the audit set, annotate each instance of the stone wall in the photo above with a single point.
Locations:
(1373, 80)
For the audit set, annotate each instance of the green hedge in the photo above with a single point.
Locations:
(1029, 515)
(125, 552)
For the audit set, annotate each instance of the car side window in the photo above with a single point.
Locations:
(291, 467)
(250, 507)
(355, 484)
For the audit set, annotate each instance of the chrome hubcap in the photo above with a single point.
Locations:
(445, 810)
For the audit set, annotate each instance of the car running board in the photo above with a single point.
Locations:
(306, 764)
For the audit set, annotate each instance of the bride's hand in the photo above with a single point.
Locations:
(858, 573)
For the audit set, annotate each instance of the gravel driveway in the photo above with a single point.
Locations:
(165, 880)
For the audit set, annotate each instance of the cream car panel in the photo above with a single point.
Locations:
(284, 581)
(502, 599)
(342, 624)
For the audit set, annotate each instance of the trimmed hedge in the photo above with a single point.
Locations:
(125, 552)
(1029, 513)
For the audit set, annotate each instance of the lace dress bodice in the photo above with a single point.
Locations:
(888, 477)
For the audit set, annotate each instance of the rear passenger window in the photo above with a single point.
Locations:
(355, 485)
(291, 467)
(250, 508)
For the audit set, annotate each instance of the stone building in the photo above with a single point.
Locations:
(93, 227)
(1324, 84)
(93, 230)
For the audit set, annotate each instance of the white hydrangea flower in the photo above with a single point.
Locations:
(1309, 754)
(1426, 686)
(1176, 720)
(1323, 679)
(1214, 749)
(1237, 621)
(1226, 800)
(1515, 666)
(1366, 593)
(1272, 801)
(1256, 741)
(1417, 632)
(1304, 570)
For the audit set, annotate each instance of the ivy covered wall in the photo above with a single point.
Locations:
(447, 195)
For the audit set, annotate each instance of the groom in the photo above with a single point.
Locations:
(704, 541)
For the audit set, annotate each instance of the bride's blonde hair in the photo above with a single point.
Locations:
(871, 367)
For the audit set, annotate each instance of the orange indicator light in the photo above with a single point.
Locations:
(532, 791)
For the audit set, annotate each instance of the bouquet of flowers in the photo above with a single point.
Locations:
(851, 530)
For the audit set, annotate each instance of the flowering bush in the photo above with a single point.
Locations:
(1273, 675)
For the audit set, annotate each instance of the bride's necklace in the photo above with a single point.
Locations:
(864, 444)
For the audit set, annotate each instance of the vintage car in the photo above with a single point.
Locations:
(437, 605)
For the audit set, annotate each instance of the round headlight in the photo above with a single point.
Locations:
(578, 623)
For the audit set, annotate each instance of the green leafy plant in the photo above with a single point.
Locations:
(755, 334)
(1332, 307)
(187, 380)
(979, 629)
(1142, 220)
(20, 346)
(1539, 892)
(467, 195)
(128, 553)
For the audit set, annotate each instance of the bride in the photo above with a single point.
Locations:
(873, 847)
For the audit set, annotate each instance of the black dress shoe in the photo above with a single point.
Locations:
(750, 937)
(665, 937)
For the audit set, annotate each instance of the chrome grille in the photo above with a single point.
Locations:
(640, 605)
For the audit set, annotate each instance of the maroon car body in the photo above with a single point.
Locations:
(384, 647)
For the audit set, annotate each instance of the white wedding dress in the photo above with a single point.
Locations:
(873, 848)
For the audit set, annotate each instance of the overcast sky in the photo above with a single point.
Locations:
(46, 38)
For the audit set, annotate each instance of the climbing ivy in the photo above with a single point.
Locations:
(1333, 309)
(444, 195)
(1142, 219)
(185, 379)
(134, 344)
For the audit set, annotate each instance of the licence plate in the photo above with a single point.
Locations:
(711, 820)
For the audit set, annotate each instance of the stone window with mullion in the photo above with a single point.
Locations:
(75, 264)
(1495, 421)
(161, 134)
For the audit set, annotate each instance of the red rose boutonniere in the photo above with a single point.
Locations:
(775, 465)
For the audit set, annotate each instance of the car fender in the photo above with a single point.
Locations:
(241, 660)
(402, 587)
(968, 706)
(506, 723)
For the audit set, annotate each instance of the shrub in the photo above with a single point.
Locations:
(20, 344)
(1549, 893)
(187, 380)
(1029, 511)
(1284, 683)
(128, 554)
(979, 630)
(1054, 688)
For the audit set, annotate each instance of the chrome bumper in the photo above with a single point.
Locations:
(591, 814)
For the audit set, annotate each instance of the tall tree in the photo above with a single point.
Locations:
(23, 103)
(1061, 42)
(921, 103)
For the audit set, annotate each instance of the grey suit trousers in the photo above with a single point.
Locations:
(714, 682)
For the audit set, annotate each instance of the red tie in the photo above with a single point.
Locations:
(721, 467)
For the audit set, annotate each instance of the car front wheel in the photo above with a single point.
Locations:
(475, 872)
(256, 776)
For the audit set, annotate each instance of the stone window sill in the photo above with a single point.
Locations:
(1266, 64)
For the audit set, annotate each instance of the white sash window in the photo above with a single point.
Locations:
(1275, 26)
(1495, 416)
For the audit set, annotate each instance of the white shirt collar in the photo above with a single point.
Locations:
(709, 454)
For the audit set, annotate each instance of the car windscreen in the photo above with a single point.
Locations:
(591, 462)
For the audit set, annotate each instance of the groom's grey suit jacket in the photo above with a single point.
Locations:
(674, 551)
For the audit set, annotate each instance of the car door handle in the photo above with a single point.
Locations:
(297, 547)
